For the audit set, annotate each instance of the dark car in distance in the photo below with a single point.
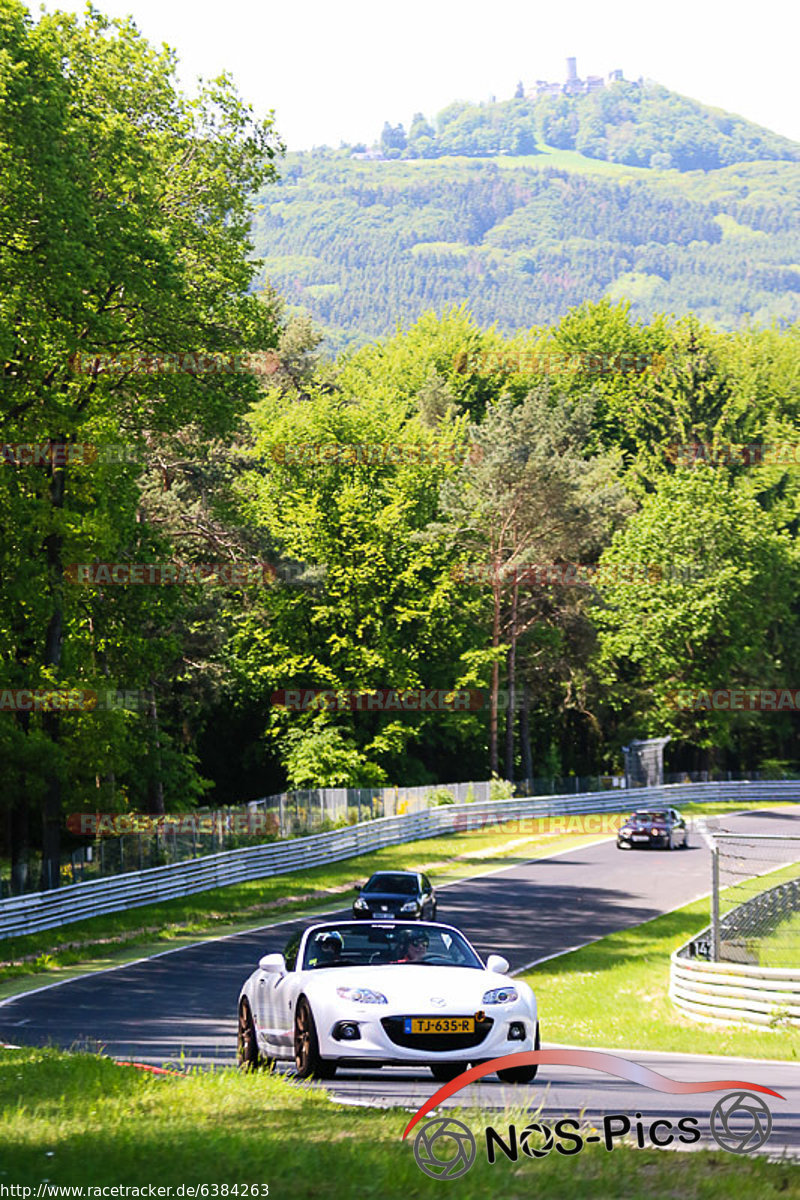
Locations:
(662, 829)
(396, 894)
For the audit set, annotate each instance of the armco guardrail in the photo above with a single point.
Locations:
(738, 991)
(735, 992)
(62, 906)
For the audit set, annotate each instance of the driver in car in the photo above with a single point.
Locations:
(327, 949)
(414, 947)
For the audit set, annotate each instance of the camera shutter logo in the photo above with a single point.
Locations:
(444, 1148)
(740, 1122)
(536, 1151)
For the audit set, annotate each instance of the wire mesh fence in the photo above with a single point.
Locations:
(755, 899)
(119, 846)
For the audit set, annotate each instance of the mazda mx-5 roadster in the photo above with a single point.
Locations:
(371, 993)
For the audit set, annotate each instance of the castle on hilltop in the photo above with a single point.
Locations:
(573, 85)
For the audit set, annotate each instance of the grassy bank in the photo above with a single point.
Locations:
(615, 993)
(781, 948)
(79, 1119)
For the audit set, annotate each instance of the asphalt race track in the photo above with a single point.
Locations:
(180, 1006)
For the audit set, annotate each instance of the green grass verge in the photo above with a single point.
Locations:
(781, 948)
(615, 993)
(81, 1120)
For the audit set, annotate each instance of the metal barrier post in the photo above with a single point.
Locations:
(715, 905)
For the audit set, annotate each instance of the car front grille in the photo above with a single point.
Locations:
(436, 1042)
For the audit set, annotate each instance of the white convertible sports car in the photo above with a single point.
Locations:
(359, 993)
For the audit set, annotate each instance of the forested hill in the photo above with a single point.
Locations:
(365, 244)
(639, 124)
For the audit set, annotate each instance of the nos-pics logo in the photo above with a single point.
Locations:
(445, 1148)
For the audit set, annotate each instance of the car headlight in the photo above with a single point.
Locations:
(360, 903)
(503, 995)
(360, 995)
(410, 906)
(626, 832)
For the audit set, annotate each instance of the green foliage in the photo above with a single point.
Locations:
(646, 125)
(123, 229)
(717, 614)
(484, 433)
(362, 246)
(438, 797)
(195, 1128)
(640, 124)
(501, 789)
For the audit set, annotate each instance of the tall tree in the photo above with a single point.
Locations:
(123, 232)
(533, 498)
(711, 606)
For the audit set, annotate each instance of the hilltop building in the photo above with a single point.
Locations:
(573, 85)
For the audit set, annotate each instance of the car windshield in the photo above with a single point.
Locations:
(368, 945)
(399, 885)
(648, 817)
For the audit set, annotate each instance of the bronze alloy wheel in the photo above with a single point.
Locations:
(249, 1058)
(307, 1060)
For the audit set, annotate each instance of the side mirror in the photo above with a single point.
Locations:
(272, 964)
(357, 887)
(496, 962)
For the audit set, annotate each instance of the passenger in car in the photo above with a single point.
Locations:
(414, 947)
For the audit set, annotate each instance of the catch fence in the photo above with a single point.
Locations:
(201, 832)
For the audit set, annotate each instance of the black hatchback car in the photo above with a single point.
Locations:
(403, 894)
(663, 828)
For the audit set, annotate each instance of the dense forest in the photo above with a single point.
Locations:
(409, 514)
(363, 246)
(629, 192)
